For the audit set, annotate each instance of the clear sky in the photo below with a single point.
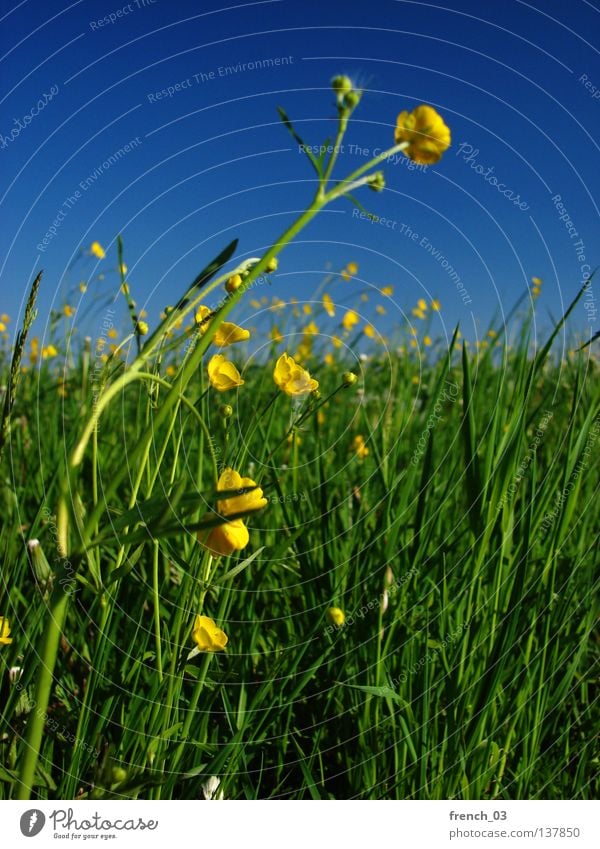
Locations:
(89, 148)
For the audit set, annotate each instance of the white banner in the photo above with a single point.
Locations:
(291, 825)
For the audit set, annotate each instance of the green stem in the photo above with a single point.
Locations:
(39, 712)
(157, 610)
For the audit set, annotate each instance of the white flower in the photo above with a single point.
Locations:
(210, 788)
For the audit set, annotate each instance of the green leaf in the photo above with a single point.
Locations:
(290, 128)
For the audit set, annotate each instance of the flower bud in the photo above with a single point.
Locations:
(272, 264)
(377, 181)
(39, 563)
(142, 328)
(336, 616)
(118, 774)
(352, 99)
(234, 283)
(225, 410)
(341, 84)
(349, 378)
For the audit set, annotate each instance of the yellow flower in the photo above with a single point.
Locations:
(207, 635)
(224, 539)
(2, 327)
(328, 305)
(352, 268)
(5, 318)
(435, 305)
(202, 314)
(68, 310)
(112, 333)
(234, 282)
(418, 313)
(336, 342)
(336, 616)
(272, 265)
(345, 275)
(359, 447)
(123, 269)
(97, 250)
(230, 480)
(48, 352)
(536, 281)
(387, 290)
(350, 319)
(329, 359)
(369, 331)
(222, 374)
(276, 334)
(5, 638)
(307, 309)
(311, 328)
(427, 341)
(255, 303)
(426, 133)
(171, 371)
(228, 333)
(422, 304)
(292, 379)
(142, 328)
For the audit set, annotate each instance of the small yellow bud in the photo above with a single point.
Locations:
(118, 774)
(349, 378)
(352, 99)
(226, 410)
(234, 283)
(142, 328)
(341, 84)
(377, 181)
(272, 264)
(336, 616)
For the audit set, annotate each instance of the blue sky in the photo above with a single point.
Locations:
(518, 83)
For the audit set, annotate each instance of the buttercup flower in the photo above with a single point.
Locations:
(222, 374)
(387, 290)
(336, 616)
(328, 305)
(254, 500)
(228, 333)
(350, 319)
(426, 133)
(233, 283)
(292, 379)
(359, 447)
(5, 638)
(97, 250)
(224, 539)
(207, 635)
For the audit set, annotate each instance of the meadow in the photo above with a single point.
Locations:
(307, 574)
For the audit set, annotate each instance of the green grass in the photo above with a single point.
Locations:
(477, 508)
(462, 547)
